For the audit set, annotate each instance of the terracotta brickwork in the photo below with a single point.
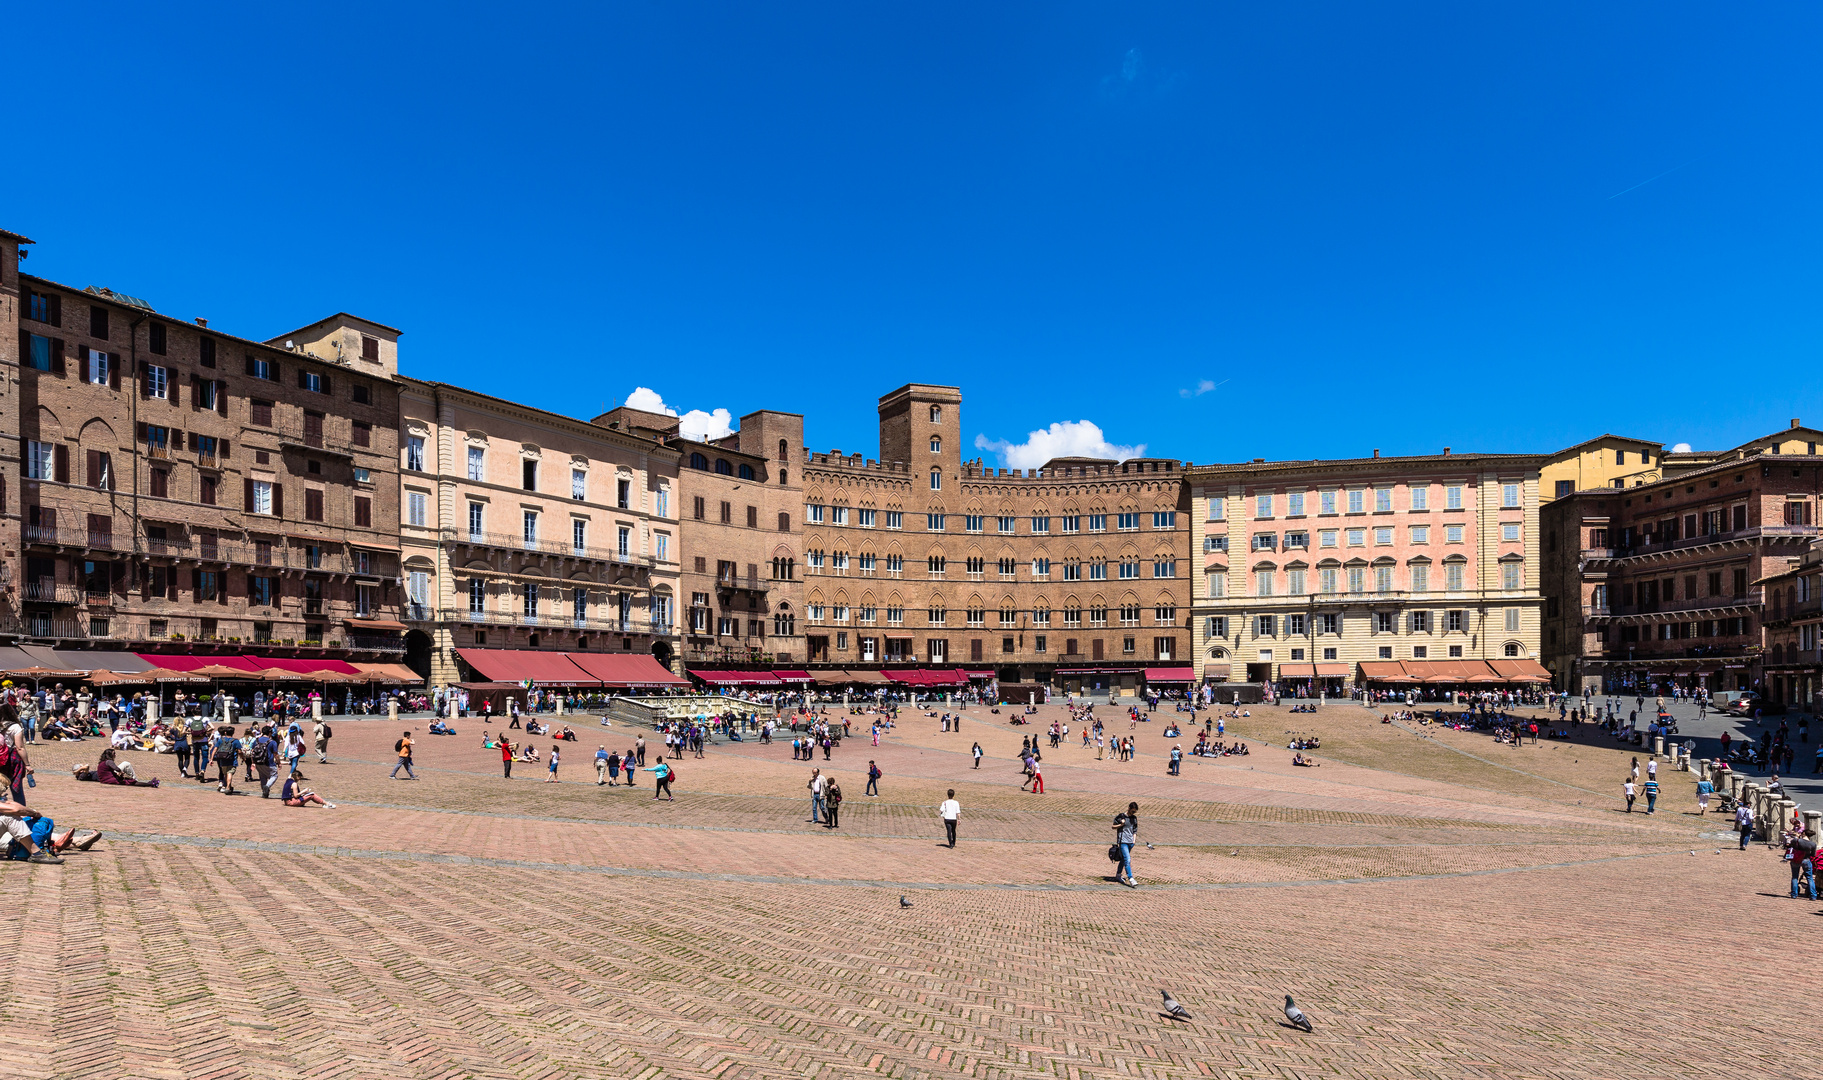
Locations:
(183, 484)
(1079, 566)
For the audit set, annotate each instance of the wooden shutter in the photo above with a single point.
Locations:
(56, 310)
(249, 363)
(145, 584)
(196, 399)
(221, 449)
(196, 586)
(326, 388)
(61, 463)
(278, 500)
(56, 356)
(247, 495)
(302, 379)
(145, 381)
(113, 371)
(139, 432)
(92, 465)
(221, 396)
(177, 440)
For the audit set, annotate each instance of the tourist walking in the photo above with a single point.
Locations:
(1651, 796)
(1631, 792)
(1743, 821)
(550, 776)
(950, 812)
(873, 780)
(1803, 865)
(832, 805)
(601, 765)
(403, 749)
(1126, 833)
(226, 751)
(506, 756)
(664, 773)
(321, 734)
(1704, 789)
(976, 754)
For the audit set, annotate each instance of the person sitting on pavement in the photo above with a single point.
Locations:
(110, 771)
(295, 793)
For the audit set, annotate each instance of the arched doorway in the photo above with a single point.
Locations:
(661, 651)
(417, 652)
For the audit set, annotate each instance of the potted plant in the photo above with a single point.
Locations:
(177, 637)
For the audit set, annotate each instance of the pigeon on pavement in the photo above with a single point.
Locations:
(1296, 1015)
(903, 902)
(1173, 1009)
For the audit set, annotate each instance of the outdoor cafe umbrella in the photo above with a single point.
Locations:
(164, 675)
(36, 673)
(104, 677)
(220, 671)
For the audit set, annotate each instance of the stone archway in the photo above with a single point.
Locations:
(662, 652)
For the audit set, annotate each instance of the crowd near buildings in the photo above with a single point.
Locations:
(173, 491)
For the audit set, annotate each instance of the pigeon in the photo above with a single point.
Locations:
(903, 902)
(1296, 1015)
(1148, 845)
(1173, 1009)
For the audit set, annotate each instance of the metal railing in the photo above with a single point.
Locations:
(41, 534)
(47, 591)
(552, 621)
(376, 642)
(542, 546)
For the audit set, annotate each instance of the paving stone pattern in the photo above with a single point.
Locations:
(463, 925)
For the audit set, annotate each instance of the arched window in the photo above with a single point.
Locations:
(1512, 648)
(784, 450)
(698, 461)
(936, 444)
(936, 414)
(936, 480)
(781, 477)
(746, 472)
(722, 467)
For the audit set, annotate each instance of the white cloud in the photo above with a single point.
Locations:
(1203, 386)
(695, 424)
(703, 426)
(1067, 438)
(1681, 448)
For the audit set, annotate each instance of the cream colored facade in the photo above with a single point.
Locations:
(1606, 461)
(524, 529)
(1307, 569)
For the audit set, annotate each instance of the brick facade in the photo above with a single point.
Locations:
(186, 485)
(1079, 566)
(1662, 582)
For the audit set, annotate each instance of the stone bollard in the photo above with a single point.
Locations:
(1658, 745)
(559, 704)
(152, 711)
(316, 709)
(1813, 821)
(1786, 809)
(1702, 771)
(392, 709)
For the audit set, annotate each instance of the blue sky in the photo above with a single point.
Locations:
(1217, 231)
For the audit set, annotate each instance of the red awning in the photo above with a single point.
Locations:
(793, 676)
(1170, 674)
(381, 625)
(302, 666)
(1520, 670)
(191, 663)
(980, 674)
(517, 665)
(625, 669)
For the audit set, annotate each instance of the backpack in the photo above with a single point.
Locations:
(328, 733)
(227, 751)
(11, 764)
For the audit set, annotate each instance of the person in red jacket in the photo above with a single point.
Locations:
(506, 756)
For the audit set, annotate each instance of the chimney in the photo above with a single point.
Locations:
(1376, 451)
(204, 323)
(1446, 451)
(1795, 423)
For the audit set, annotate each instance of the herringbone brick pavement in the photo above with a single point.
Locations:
(468, 926)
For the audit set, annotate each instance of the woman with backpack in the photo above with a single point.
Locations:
(665, 774)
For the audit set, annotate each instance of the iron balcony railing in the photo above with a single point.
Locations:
(543, 546)
(553, 621)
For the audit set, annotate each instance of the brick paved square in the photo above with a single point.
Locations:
(1440, 906)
